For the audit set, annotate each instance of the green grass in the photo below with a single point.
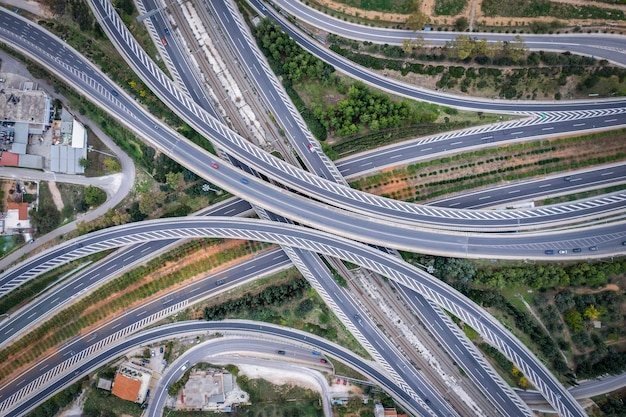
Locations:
(98, 401)
(580, 196)
(537, 8)
(449, 7)
(390, 6)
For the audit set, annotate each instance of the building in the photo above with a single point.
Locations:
(25, 106)
(16, 219)
(69, 145)
(210, 390)
(131, 383)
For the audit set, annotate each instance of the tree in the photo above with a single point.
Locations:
(46, 219)
(592, 313)
(94, 196)
(174, 180)
(575, 321)
(461, 24)
(417, 20)
(84, 162)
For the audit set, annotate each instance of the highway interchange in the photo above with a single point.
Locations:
(222, 169)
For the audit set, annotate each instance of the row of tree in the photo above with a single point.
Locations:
(271, 296)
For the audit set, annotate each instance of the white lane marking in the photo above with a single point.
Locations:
(195, 289)
(249, 268)
(129, 258)
(117, 325)
(426, 149)
(55, 300)
(454, 204)
(111, 267)
(364, 165)
(395, 156)
(578, 124)
(606, 173)
(456, 143)
(576, 179)
(517, 133)
(610, 120)
(547, 128)
(277, 257)
(79, 285)
(146, 249)
(485, 197)
(142, 313)
(229, 211)
(514, 191)
(486, 137)
(94, 276)
(44, 367)
(8, 331)
(31, 315)
(544, 186)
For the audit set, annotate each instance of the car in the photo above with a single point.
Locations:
(219, 282)
(358, 318)
(185, 366)
(562, 252)
(316, 353)
(164, 42)
(167, 31)
(345, 381)
(161, 349)
(549, 252)
(115, 93)
(624, 243)
(244, 180)
(338, 380)
(568, 178)
(214, 165)
(311, 147)
(281, 352)
(152, 353)
(323, 360)
(593, 248)
(80, 245)
(577, 250)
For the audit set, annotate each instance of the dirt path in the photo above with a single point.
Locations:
(56, 195)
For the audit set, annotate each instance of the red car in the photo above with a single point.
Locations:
(163, 41)
(323, 361)
(311, 148)
(345, 382)
(338, 380)
(214, 165)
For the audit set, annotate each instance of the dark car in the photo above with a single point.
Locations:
(115, 93)
(549, 252)
(577, 250)
(568, 178)
(624, 243)
(323, 361)
(593, 248)
(244, 181)
(219, 282)
(281, 352)
(161, 349)
(167, 31)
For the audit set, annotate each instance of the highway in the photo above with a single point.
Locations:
(301, 181)
(320, 242)
(157, 128)
(606, 46)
